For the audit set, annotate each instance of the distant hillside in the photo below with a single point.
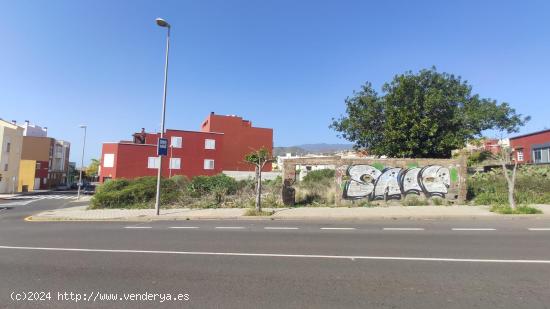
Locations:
(321, 148)
(294, 150)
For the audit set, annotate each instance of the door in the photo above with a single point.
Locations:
(37, 184)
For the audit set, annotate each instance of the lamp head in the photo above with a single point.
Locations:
(161, 22)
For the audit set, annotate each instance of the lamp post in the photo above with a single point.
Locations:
(162, 23)
(81, 161)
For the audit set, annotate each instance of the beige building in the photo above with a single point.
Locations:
(11, 140)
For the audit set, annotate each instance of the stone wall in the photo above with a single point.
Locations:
(386, 179)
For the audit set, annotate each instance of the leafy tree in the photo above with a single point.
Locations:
(423, 115)
(259, 159)
(93, 168)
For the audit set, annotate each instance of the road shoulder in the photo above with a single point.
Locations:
(81, 213)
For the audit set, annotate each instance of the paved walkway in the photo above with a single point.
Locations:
(313, 213)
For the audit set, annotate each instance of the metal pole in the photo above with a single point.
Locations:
(157, 201)
(81, 164)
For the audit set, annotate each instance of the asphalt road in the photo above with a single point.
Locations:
(273, 264)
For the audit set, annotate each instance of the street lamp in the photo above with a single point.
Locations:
(81, 161)
(162, 23)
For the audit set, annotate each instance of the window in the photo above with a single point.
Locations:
(38, 165)
(109, 160)
(153, 162)
(6, 167)
(176, 141)
(520, 154)
(208, 164)
(541, 155)
(175, 163)
(8, 147)
(545, 156)
(209, 144)
(44, 180)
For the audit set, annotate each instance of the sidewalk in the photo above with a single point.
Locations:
(80, 213)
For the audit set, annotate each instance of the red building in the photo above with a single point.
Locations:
(221, 145)
(492, 145)
(532, 148)
(240, 139)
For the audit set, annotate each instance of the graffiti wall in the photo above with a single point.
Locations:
(367, 181)
(386, 179)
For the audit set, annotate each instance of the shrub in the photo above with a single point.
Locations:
(478, 157)
(137, 193)
(201, 185)
(218, 186)
(181, 181)
(317, 176)
(316, 188)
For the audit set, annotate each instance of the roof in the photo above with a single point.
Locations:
(10, 124)
(532, 133)
(190, 131)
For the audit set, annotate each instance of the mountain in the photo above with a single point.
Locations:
(320, 148)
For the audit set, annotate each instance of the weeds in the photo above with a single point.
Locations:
(532, 186)
(414, 201)
(520, 210)
(254, 212)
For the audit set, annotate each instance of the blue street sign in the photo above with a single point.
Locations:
(162, 149)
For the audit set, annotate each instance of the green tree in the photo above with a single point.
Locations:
(93, 168)
(259, 159)
(423, 115)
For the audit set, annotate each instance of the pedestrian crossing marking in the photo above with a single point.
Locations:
(27, 199)
(41, 197)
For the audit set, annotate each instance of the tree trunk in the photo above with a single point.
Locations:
(511, 187)
(258, 189)
(511, 182)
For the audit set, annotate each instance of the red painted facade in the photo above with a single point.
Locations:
(41, 172)
(241, 138)
(133, 159)
(524, 147)
(491, 145)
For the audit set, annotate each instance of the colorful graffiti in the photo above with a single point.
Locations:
(366, 181)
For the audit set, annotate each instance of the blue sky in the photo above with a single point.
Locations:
(283, 64)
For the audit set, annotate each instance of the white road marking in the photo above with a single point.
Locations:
(403, 229)
(473, 229)
(338, 228)
(539, 229)
(280, 228)
(230, 227)
(341, 257)
(27, 199)
(41, 197)
(137, 227)
(19, 203)
(184, 227)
